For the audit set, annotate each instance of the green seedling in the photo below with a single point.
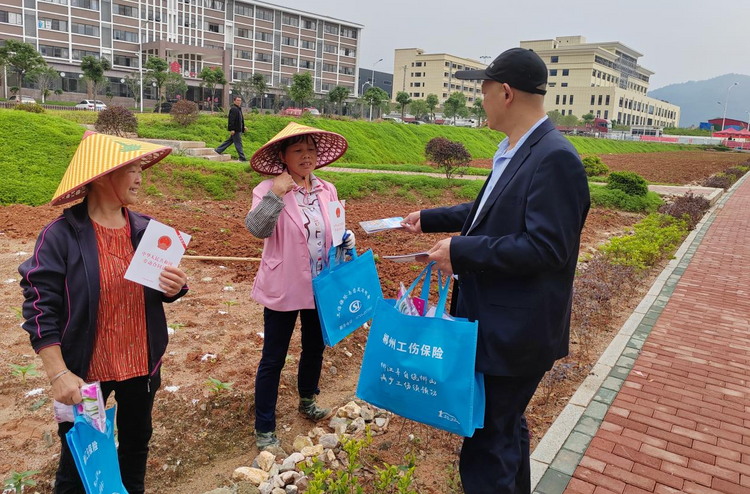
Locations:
(18, 312)
(17, 481)
(24, 370)
(216, 386)
(230, 303)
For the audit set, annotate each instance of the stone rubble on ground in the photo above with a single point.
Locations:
(273, 472)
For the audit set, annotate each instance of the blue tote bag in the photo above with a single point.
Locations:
(345, 294)
(423, 368)
(95, 456)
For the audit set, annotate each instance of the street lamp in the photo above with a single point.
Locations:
(724, 120)
(373, 82)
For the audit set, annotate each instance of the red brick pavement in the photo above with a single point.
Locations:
(681, 423)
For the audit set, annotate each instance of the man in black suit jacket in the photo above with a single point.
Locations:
(515, 260)
(235, 126)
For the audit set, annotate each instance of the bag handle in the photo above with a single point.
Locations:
(427, 275)
(443, 294)
(336, 256)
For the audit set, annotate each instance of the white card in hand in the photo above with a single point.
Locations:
(337, 219)
(160, 246)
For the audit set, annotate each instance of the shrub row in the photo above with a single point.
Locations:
(727, 178)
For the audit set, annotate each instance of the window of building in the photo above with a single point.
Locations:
(289, 61)
(309, 24)
(124, 10)
(243, 33)
(307, 64)
(564, 84)
(445, 84)
(565, 72)
(563, 112)
(593, 73)
(598, 114)
(620, 103)
(554, 59)
(329, 67)
(263, 36)
(600, 100)
(53, 24)
(331, 28)
(285, 81)
(215, 4)
(330, 48)
(553, 72)
(50, 51)
(445, 74)
(349, 32)
(447, 64)
(346, 70)
(417, 74)
(417, 84)
(264, 14)
(415, 94)
(308, 45)
(606, 114)
(445, 95)
(85, 4)
(85, 29)
(242, 76)
(289, 20)
(571, 99)
(244, 54)
(593, 98)
(607, 101)
(552, 84)
(350, 52)
(61, 2)
(79, 54)
(565, 99)
(263, 57)
(288, 41)
(214, 28)
(125, 61)
(419, 64)
(557, 99)
(125, 36)
(242, 9)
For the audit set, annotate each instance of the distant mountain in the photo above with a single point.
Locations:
(698, 100)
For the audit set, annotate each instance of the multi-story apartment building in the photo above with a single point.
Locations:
(241, 37)
(419, 74)
(600, 78)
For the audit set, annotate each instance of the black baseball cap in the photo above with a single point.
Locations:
(519, 68)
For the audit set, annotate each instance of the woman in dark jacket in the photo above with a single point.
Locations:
(86, 321)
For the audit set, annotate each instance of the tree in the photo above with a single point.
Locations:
(157, 72)
(419, 109)
(555, 117)
(455, 106)
(375, 97)
(478, 110)
(259, 86)
(432, 103)
(212, 76)
(588, 118)
(570, 121)
(175, 85)
(44, 77)
(302, 88)
(449, 155)
(93, 71)
(22, 58)
(133, 82)
(403, 99)
(337, 95)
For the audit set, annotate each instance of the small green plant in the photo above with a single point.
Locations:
(24, 370)
(184, 112)
(116, 120)
(177, 326)
(628, 182)
(652, 239)
(17, 481)
(594, 166)
(230, 303)
(215, 386)
(18, 311)
(396, 479)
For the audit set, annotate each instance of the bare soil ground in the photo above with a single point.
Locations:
(199, 439)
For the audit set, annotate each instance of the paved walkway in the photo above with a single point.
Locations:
(678, 420)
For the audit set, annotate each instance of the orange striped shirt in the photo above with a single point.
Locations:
(121, 341)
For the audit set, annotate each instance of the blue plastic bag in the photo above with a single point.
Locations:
(423, 368)
(345, 294)
(95, 456)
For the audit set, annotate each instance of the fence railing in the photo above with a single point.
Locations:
(11, 104)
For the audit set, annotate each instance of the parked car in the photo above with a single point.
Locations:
(22, 99)
(393, 119)
(90, 104)
(297, 112)
(166, 107)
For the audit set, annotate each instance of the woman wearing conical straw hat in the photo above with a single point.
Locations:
(85, 320)
(290, 212)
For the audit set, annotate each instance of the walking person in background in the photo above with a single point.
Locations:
(236, 127)
(86, 321)
(290, 212)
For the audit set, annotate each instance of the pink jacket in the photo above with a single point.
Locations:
(284, 279)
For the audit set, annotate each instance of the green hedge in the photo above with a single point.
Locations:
(590, 145)
(604, 197)
(652, 239)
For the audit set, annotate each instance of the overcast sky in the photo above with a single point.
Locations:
(681, 40)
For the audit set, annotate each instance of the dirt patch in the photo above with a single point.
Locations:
(199, 439)
(681, 168)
